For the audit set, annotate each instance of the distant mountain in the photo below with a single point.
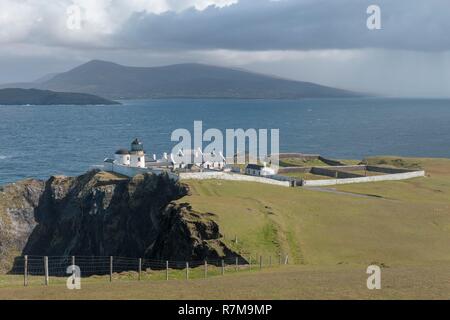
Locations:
(16, 96)
(45, 78)
(191, 80)
(28, 85)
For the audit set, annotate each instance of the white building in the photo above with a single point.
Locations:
(185, 159)
(257, 170)
(122, 157)
(214, 161)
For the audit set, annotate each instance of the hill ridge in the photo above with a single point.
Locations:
(182, 80)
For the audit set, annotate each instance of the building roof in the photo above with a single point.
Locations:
(122, 151)
(254, 166)
(136, 141)
(136, 145)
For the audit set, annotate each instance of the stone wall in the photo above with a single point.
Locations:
(329, 161)
(386, 177)
(230, 176)
(341, 175)
(343, 171)
(132, 171)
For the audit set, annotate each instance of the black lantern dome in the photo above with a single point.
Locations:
(136, 145)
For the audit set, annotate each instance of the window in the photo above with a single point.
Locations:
(139, 159)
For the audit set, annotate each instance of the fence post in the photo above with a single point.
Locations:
(206, 269)
(110, 268)
(260, 262)
(250, 263)
(223, 267)
(286, 260)
(187, 270)
(73, 260)
(46, 270)
(140, 268)
(167, 270)
(237, 263)
(280, 259)
(235, 239)
(25, 272)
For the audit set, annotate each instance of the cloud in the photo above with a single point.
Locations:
(295, 25)
(229, 24)
(313, 40)
(45, 22)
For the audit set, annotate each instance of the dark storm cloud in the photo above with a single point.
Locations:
(322, 41)
(295, 25)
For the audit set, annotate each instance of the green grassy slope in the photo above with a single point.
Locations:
(403, 225)
(395, 223)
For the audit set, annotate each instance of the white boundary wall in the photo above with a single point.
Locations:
(230, 176)
(132, 171)
(384, 177)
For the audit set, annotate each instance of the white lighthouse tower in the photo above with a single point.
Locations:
(137, 155)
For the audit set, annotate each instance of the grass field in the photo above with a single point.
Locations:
(366, 173)
(399, 162)
(198, 272)
(304, 175)
(287, 282)
(330, 237)
(299, 162)
(350, 162)
(396, 223)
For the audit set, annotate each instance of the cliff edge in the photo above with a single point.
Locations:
(102, 214)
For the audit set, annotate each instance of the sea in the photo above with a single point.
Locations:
(40, 141)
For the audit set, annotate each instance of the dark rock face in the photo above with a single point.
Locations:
(100, 214)
(188, 235)
(17, 209)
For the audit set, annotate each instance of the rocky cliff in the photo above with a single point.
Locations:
(102, 214)
(17, 205)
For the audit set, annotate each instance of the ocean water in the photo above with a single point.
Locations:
(40, 141)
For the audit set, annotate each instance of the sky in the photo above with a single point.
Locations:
(322, 41)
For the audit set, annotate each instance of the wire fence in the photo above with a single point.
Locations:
(48, 269)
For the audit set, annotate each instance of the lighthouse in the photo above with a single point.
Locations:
(137, 155)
